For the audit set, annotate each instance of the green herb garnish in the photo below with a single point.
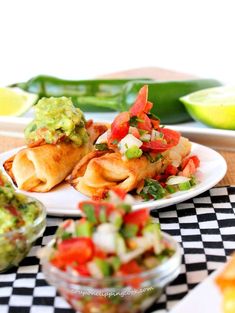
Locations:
(153, 159)
(101, 146)
(152, 190)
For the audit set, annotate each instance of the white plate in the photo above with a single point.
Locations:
(62, 200)
(205, 298)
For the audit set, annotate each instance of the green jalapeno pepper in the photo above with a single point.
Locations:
(88, 95)
(119, 94)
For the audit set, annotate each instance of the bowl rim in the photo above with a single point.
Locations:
(23, 229)
(163, 270)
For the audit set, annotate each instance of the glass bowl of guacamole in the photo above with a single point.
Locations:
(22, 221)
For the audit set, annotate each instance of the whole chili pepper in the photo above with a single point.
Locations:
(119, 94)
(88, 95)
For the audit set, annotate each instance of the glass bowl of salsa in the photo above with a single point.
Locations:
(112, 260)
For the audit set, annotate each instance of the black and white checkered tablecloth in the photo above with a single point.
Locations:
(204, 226)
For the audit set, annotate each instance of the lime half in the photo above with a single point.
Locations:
(213, 106)
(15, 102)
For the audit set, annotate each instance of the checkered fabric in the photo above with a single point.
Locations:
(204, 226)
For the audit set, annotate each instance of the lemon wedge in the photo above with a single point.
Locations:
(15, 102)
(213, 106)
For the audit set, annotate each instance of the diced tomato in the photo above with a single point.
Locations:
(13, 210)
(148, 107)
(119, 192)
(99, 253)
(134, 131)
(161, 177)
(1, 182)
(145, 123)
(138, 217)
(156, 146)
(82, 269)
(97, 207)
(195, 160)
(155, 123)
(171, 170)
(88, 124)
(171, 137)
(74, 250)
(131, 267)
(189, 169)
(140, 102)
(119, 127)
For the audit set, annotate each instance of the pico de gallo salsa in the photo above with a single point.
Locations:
(111, 240)
(138, 133)
(118, 258)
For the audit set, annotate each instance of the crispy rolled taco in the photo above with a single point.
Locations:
(135, 149)
(97, 172)
(57, 139)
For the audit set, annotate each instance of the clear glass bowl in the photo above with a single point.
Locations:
(112, 294)
(15, 245)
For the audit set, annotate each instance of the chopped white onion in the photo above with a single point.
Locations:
(145, 137)
(103, 138)
(104, 237)
(127, 142)
(175, 180)
(155, 135)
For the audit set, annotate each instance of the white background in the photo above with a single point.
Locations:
(83, 39)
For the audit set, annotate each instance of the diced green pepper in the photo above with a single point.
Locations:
(102, 215)
(120, 245)
(103, 266)
(83, 229)
(171, 188)
(184, 186)
(154, 231)
(115, 263)
(133, 152)
(129, 230)
(116, 219)
(89, 211)
(124, 206)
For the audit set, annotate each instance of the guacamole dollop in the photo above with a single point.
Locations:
(15, 209)
(57, 119)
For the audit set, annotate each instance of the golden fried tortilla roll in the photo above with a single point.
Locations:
(43, 167)
(99, 171)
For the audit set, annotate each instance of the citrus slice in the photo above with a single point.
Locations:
(213, 106)
(15, 102)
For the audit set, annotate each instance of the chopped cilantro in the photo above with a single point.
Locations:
(152, 159)
(101, 146)
(152, 190)
(134, 120)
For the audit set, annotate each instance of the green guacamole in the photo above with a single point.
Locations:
(22, 221)
(15, 210)
(56, 119)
